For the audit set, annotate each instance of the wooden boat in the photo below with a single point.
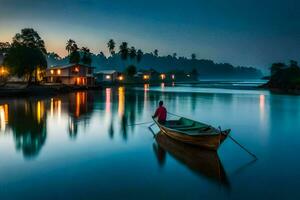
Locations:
(203, 162)
(193, 132)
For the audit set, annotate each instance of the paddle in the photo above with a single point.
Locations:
(139, 123)
(239, 144)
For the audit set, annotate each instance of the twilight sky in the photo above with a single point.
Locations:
(242, 32)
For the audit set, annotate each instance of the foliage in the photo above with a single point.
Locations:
(26, 55)
(124, 51)
(111, 46)
(132, 53)
(193, 56)
(139, 55)
(23, 61)
(86, 58)
(70, 45)
(155, 52)
(74, 57)
(29, 38)
(4, 47)
(285, 76)
(277, 67)
(131, 70)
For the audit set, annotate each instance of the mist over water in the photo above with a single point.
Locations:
(84, 145)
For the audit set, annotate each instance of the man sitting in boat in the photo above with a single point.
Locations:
(161, 113)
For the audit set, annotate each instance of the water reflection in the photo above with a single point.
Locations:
(27, 119)
(116, 108)
(3, 117)
(204, 163)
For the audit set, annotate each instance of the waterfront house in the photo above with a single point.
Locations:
(108, 76)
(72, 74)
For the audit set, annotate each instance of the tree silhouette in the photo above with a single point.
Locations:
(69, 45)
(26, 55)
(276, 67)
(139, 55)
(111, 46)
(29, 38)
(155, 52)
(102, 54)
(4, 47)
(193, 56)
(124, 50)
(87, 57)
(174, 55)
(131, 70)
(132, 53)
(74, 55)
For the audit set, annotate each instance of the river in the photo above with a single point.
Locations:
(85, 145)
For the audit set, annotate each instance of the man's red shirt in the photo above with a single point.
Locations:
(161, 113)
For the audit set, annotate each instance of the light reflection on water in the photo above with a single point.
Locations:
(80, 145)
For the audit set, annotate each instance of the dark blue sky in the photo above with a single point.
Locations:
(248, 32)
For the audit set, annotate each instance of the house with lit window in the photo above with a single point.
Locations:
(72, 74)
(108, 76)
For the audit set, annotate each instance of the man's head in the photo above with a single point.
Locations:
(161, 103)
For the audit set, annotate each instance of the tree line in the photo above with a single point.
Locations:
(27, 57)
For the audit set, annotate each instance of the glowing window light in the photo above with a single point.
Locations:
(121, 78)
(146, 77)
(79, 81)
(188, 75)
(162, 76)
(58, 71)
(52, 71)
(107, 77)
(76, 69)
(173, 76)
(2, 70)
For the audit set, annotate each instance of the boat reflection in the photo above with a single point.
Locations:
(203, 162)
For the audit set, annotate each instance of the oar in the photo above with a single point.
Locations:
(242, 146)
(239, 144)
(140, 123)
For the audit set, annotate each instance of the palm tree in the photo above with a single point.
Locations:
(132, 53)
(124, 50)
(69, 45)
(155, 52)
(111, 46)
(139, 55)
(74, 47)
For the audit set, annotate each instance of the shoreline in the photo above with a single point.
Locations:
(56, 89)
(42, 90)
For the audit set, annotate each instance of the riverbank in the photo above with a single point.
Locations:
(281, 89)
(20, 89)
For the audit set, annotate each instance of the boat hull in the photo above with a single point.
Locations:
(209, 141)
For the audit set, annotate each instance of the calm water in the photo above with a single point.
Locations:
(79, 146)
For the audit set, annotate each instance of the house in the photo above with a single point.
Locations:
(108, 76)
(72, 74)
